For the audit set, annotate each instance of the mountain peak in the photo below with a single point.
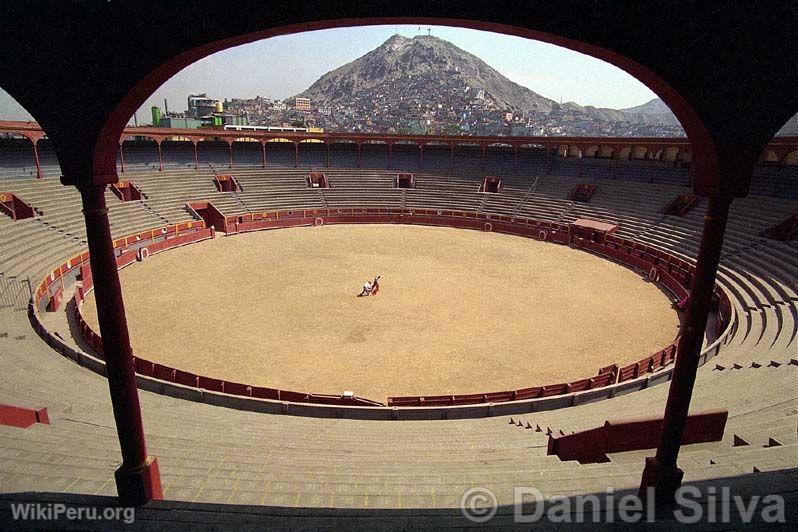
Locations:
(425, 69)
(394, 41)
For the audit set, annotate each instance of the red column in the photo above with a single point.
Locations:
(36, 158)
(328, 152)
(580, 163)
(421, 156)
(358, 154)
(160, 158)
(263, 154)
(230, 151)
(137, 479)
(515, 157)
(122, 156)
(296, 154)
(482, 165)
(451, 157)
(389, 154)
(196, 154)
(661, 471)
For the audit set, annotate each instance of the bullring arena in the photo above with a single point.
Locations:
(458, 312)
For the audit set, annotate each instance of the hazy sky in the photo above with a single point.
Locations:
(283, 66)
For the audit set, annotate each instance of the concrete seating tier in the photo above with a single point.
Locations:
(218, 455)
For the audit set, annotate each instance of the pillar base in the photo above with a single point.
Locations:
(663, 479)
(139, 485)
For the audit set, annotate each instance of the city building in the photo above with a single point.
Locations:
(180, 122)
(302, 104)
(200, 105)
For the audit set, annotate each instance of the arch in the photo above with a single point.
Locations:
(624, 153)
(768, 156)
(591, 151)
(791, 159)
(27, 141)
(639, 153)
(573, 151)
(671, 153)
(280, 139)
(604, 152)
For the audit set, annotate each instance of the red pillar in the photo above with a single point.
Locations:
(515, 157)
(196, 155)
(421, 156)
(328, 153)
(122, 156)
(661, 471)
(482, 165)
(36, 159)
(359, 145)
(580, 163)
(296, 154)
(137, 479)
(451, 157)
(230, 151)
(160, 158)
(389, 155)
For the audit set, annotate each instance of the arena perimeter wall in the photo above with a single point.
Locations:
(672, 272)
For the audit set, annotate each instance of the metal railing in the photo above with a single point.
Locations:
(14, 293)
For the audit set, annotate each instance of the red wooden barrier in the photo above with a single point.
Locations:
(578, 386)
(553, 389)
(528, 393)
(468, 399)
(604, 379)
(207, 383)
(15, 207)
(627, 372)
(265, 393)
(592, 445)
(55, 300)
(235, 388)
(185, 378)
(20, 417)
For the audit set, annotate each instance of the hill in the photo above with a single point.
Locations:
(425, 84)
(422, 69)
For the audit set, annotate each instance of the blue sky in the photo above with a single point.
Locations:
(283, 66)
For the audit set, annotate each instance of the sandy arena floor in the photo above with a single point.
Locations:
(459, 311)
